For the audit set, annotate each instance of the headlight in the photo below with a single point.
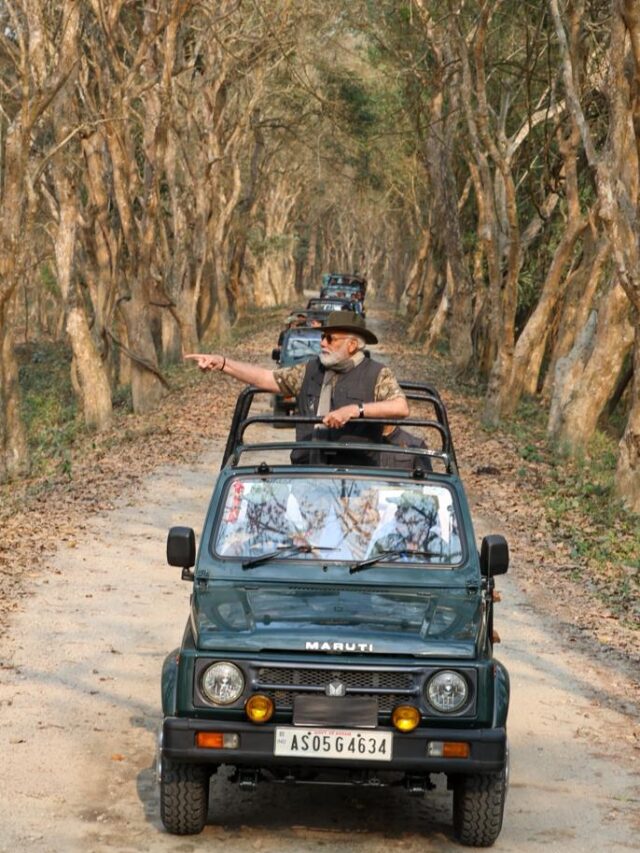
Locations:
(222, 683)
(447, 691)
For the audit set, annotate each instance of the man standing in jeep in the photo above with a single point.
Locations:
(340, 385)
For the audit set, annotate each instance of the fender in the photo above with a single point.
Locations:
(501, 692)
(169, 683)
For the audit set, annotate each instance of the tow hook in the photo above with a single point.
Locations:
(418, 785)
(247, 779)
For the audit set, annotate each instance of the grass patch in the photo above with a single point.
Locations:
(581, 505)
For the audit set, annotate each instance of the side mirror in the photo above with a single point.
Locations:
(494, 555)
(181, 547)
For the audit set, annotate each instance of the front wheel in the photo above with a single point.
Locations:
(478, 807)
(184, 797)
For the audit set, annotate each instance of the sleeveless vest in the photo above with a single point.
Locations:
(356, 386)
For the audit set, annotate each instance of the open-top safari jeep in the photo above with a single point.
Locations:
(342, 278)
(329, 304)
(343, 286)
(351, 292)
(340, 628)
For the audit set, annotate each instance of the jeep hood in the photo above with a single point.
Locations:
(337, 620)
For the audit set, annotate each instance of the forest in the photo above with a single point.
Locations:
(168, 166)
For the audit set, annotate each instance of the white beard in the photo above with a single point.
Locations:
(331, 359)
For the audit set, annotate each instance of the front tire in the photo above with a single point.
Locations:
(478, 807)
(184, 797)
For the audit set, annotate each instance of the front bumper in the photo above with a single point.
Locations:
(488, 749)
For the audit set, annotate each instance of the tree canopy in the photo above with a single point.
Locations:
(167, 165)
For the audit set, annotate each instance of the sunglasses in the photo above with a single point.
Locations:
(330, 337)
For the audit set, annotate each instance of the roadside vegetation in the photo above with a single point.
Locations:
(580, 504)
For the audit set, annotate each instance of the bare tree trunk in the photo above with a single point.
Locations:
(90, 370)
(412, 291)
(440, 316)
(14, 456)
(583, 383)
(147, 383)
(627, 476)
(497, 400)
(418, 328)
(245, 211)
(530, 347)
(447, 82)
(578, 301)
(274, 272)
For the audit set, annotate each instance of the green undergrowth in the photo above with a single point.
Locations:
(49, 407)
(582, 507)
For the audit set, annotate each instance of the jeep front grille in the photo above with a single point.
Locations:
(389, 687)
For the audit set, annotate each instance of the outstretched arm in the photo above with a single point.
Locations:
(252, 374)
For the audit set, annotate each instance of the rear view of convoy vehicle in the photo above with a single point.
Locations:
(341, 627)
(343, 286)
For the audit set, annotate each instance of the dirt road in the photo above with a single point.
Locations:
(80, 707)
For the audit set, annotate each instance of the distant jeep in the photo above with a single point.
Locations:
(298, 344)
(340, 628)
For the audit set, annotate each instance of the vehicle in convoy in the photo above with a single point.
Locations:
(342, 278)
(352, 293)
(327, 305)
(299, 344)
(340, 628)
(343, 286)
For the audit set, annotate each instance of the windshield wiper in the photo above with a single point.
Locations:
(284, 551)
(391, 556)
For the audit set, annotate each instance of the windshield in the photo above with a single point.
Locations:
(302, 346)
(341, 290)
(329, 306)
(339, 519)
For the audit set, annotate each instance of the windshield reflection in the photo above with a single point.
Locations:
(352, 519)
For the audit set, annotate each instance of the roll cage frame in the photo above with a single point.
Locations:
(423, 392)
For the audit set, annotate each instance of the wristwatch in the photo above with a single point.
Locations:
(360, 410)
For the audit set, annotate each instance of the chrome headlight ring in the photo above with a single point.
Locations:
(447, 691)
(222, 683)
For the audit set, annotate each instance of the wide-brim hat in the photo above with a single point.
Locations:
(349, 321)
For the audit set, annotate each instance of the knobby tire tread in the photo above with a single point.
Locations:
(184, 798)
(478, 808)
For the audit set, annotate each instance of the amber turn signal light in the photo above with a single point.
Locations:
(209, 740)
(405, 718)
(217, 740)
(452, 749)
(259, 708)
(448, 749)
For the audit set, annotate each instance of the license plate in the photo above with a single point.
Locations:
(333, 743)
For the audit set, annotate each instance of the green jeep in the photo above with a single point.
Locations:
(297, 345)
(340, 630)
